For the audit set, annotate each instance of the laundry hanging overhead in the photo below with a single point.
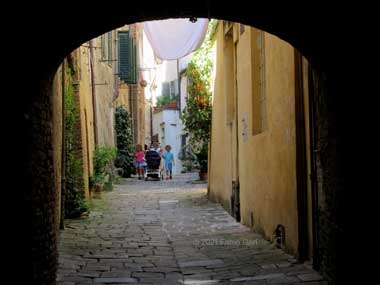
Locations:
(175, 38)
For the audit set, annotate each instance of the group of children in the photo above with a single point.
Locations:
(141, 164)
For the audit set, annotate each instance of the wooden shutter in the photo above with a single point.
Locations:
(103, 46)
(134, 63)
(127, 58)
(124, 55)
(110, 47)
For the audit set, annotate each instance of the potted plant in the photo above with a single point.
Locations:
(202, 159)
(103, 159)
(197, 115)
(99, 182)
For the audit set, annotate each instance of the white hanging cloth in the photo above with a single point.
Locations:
(175, 38)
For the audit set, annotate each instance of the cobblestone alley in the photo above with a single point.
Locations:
(167, 232)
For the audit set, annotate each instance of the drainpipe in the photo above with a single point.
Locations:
(93, 90)
(63, 152)
(115, 65)
(313, 157)
(301, 165)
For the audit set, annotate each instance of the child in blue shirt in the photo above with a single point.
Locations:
(169, 161)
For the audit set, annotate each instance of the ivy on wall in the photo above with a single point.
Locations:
(124, 141)
(75, 200)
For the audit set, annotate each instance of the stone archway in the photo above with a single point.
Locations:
(317, 40)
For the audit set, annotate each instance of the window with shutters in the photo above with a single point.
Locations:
(127, 58)
(103, 47)
(110, 47)
(134, 62)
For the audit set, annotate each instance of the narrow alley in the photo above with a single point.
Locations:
(168, 232)
(176, 144)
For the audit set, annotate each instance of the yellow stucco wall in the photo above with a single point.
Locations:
(220, 171)
(133, 96)
(266, 166)
(267, 160)
(104, 85)
(123, 98)
(57, 139)
(82, 87)
(86, 115)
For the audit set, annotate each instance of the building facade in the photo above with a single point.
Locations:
(168, 128)
(259, 100)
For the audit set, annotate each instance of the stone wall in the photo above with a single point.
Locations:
(42, 184)
(57, 139)
(330, 195)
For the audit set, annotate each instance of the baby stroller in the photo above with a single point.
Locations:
(154, 170)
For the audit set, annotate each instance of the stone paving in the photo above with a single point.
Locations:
(167, 232)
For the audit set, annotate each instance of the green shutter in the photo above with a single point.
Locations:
(130, 78)
(127, 58)
(103, 46)
(134, 64)
(124, 57)
(110, 47)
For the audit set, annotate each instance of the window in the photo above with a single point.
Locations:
(103, 47)
(127, 58)
(110, 47)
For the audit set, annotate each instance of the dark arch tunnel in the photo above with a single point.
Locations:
(323, 42)
(315, 31)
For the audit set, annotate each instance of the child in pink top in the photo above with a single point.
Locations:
(140, 162)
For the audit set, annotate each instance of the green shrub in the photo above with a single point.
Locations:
(103, 158)
(74, 198)
(124, 142)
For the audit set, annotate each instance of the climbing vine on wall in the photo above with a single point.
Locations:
(124, 141)
(197, 113)
(75, 200)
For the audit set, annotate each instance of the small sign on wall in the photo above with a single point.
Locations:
(245, 127)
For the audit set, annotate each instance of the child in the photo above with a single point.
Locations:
(169, 161)
(140, 160)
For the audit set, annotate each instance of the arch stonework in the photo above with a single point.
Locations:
(318, 34)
